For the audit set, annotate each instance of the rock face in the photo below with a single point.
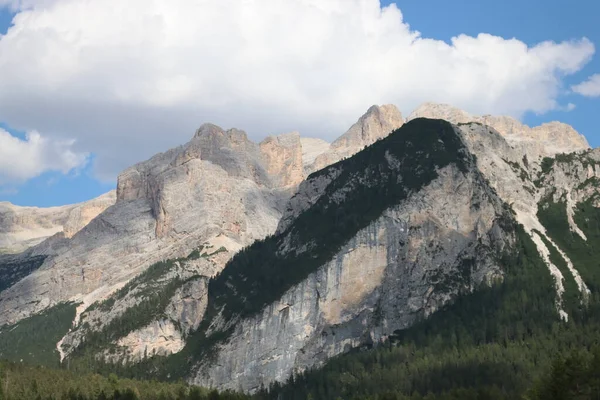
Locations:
(167, 335)
(25, 227)
(541, 141)
(283, 159)
(311, 149)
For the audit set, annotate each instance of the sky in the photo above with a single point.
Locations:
(90, 88)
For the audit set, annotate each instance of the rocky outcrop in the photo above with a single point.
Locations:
(523, 183)
(541, 141)
(25, 227)
(311, 149)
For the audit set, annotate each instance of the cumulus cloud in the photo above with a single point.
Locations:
(131, 78)
(24, 159)
(589, 88)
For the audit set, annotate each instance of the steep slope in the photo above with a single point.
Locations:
(25, 227)
(368, 287)
(499, 341)
(514, 159)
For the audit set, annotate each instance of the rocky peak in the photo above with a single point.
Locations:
(376, 123)
(545, 140)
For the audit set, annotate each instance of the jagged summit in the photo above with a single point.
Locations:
(376, 123)
(545, 140)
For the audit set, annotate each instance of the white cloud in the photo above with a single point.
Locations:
(589, 88)
(131, 78)
(24, 159)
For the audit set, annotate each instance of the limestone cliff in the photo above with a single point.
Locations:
(407, 262)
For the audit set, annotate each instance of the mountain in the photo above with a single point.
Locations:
(24, 227)
(224, 263)
(396, 232)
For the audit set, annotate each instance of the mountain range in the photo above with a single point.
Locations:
(239, 265)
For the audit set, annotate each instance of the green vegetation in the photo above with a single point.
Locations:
(547, 164)
(196, 254)
(13, 269)
(593, 181)
(33, 340)
(518, 169)
(576, 376)
(567, 158)
(19, 382)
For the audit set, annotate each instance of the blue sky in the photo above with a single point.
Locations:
(530, 21)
